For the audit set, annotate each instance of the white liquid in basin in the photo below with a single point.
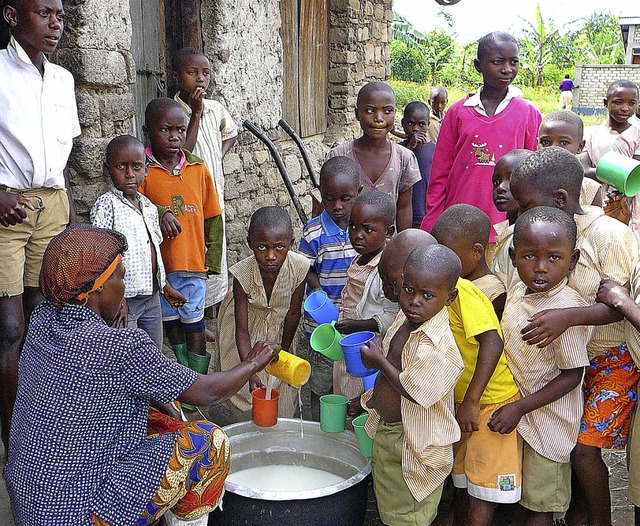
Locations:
(284, 478)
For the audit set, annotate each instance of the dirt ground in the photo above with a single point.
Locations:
(622, 509)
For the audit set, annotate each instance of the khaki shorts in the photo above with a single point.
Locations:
(546, 485)
(488, 464)
(395, 501)
(22, 246)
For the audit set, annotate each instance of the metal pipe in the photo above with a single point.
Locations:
(280, 165)
(303, 150)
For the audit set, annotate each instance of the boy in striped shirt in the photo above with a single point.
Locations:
(325, 241)
(411, 406)
(550, 378)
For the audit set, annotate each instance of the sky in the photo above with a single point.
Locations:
(475, 18)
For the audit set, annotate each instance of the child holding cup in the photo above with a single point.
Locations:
(264, 303)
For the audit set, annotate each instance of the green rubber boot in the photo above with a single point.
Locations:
(182, 353)
(199, 362)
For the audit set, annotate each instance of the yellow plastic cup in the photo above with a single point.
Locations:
(291, 369)
(619, 171)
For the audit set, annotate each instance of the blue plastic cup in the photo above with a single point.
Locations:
(351, 348)
(369, 381)
(320, 307)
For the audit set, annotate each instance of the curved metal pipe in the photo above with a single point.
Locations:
(280, 165)
(303, 150)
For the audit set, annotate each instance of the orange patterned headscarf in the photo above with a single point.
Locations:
(78, 261)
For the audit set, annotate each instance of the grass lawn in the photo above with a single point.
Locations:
(546, 99)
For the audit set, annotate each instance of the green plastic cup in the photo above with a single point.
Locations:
(365, 443)
(621, 172)
(333, 413)
(325, 339)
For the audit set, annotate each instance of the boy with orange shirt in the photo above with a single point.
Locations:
(180, 181)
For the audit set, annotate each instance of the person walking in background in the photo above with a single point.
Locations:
(566, 93)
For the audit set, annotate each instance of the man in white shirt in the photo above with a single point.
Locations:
(38, 120)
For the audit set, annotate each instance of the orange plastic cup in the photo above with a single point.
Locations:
(264, 412)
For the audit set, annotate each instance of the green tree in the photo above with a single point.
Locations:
(438, 51)
(408, 62)
(402, 30)
(537, 47)
(599, 39)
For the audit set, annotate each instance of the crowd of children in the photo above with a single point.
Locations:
(505, 358)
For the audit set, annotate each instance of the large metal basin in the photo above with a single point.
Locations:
(342, 504)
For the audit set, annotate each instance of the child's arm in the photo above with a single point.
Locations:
(547, 325)
(498, 304)
(312, 280)
(292, 318)
(436, 363)
(227, 144)
(196, 103)
(489, 353)
(443, 159)
(386, 312)
(308, 247)
(587, 164)
(243, 339)
(617, 297)
(69, 188)
(173, 296)
(404, 213)
(505, 419)
(372, 356)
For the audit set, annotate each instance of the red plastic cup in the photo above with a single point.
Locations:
(264, 412)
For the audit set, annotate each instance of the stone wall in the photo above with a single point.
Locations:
(95, 48)
(245, 51)
(594, 80)
(242, 40)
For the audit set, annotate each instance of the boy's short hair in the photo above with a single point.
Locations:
(568, 117)
(158, 106)
(436, 259)
(415, 107)
(490, 40)
(184, 54)
(382, 201)
(118, 142)
(270, 217)
(340, 165)
(437, 90)
(372, 87)
(546, 214)
(463, 221)
(622, 83)
(551, 169)
(518, 155)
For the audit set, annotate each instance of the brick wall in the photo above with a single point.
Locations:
(594, 80)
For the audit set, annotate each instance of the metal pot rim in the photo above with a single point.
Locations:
(296, 495)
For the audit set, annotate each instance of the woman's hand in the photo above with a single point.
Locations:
(263, 353)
